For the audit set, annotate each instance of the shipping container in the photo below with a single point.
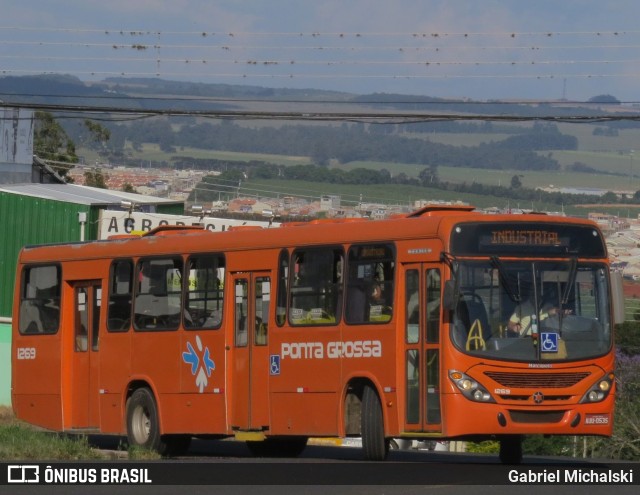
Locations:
(33, 214)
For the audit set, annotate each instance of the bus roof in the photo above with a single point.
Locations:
(426, 222)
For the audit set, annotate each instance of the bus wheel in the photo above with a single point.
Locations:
(143, 427)
(374, 445)
(278, 447)
(511, 449)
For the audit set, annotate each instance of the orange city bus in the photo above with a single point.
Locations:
(398, 328)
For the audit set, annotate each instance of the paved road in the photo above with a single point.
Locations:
(322, 470)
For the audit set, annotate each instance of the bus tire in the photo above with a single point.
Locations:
(375, 446)
(511, 449)
(143, 425)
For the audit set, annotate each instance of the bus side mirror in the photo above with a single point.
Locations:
(449, 297)
(617, 297)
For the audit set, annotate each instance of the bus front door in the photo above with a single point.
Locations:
(250, 352)
(84, 392)
(423, 307)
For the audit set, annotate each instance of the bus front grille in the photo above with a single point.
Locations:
(526, 398)
(537, 380)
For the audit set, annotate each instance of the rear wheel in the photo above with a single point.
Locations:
(143, 426)
(374, 445)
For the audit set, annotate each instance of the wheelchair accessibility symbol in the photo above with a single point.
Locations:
(274, 364)
(549, 342)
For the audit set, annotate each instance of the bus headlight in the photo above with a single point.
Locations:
(470, 388)
(599, 391)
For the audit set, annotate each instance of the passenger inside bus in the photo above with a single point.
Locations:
(378, 309)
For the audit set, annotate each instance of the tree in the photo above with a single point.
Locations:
(320, 153)
(606, 99)
(51, 142)
(429, 175)
(95, 179)
(98, 136)
(516, 183)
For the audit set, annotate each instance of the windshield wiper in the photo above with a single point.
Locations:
(504, 279)
(571, 280)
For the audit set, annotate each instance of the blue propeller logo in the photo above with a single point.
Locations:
(203, 371)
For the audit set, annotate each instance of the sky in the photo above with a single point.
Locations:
(477, 49)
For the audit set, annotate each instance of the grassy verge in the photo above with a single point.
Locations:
(19, 441)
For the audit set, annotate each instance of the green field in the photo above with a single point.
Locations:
(152, 152)
(611, 155)
(529, 179)
(392, 194)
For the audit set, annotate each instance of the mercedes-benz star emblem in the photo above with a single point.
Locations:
(538, 397)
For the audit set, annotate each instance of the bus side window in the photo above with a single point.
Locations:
(82, 319)
(434, 301)
(283, 286)
(241, 293)
(120, 296)
(158, 298)
(204, 293)
(40, 299)
(370, 282)
(262, 301)
(316, 291)
(356, 303)
(412, 315)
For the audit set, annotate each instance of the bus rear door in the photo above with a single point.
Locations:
(422, 348)
(84, 393)
(250, 353)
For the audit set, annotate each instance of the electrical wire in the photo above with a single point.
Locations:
(317, 116)
(440, 43)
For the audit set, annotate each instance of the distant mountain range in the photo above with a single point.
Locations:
(152, 93)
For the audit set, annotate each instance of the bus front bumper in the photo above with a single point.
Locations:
(468, 418)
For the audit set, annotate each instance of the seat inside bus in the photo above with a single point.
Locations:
(471, 308)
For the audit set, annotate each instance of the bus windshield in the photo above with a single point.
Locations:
(534, 311)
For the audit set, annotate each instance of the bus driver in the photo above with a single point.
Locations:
(521, 321)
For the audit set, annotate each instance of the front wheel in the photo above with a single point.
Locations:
(374, 445)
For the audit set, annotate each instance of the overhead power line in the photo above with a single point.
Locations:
(370, 100)
(291, 75)
(390, 117)
(323, 62)
(318, 33)
(299, 55)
